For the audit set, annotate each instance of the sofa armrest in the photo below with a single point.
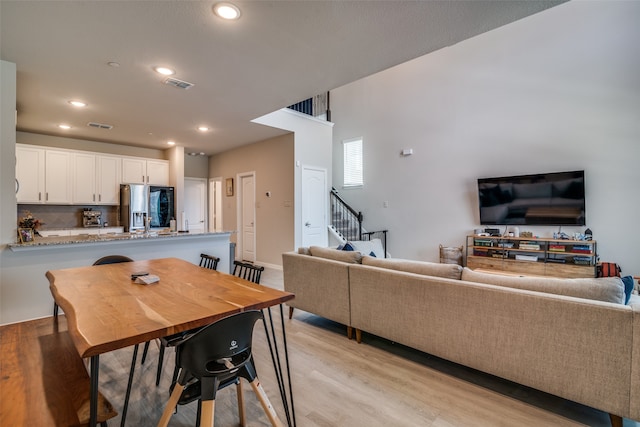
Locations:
(321, 285)
(634, 410)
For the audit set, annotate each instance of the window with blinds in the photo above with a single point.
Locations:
(353, 176)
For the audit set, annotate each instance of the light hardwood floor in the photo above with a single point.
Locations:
(337, 382)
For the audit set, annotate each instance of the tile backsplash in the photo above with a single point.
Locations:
(65, 216)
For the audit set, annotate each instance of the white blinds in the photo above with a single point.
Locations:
(352, 149)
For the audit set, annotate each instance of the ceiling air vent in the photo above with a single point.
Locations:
(99, 125)
(181, 84)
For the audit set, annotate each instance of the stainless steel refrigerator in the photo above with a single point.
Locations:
(134, 206)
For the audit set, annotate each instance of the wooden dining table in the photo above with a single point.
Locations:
(107, 310)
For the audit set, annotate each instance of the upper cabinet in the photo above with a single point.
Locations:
(30, 174)
(44, 176)
(108, 179)
(58, 176)
(97, 179)
(145, 171)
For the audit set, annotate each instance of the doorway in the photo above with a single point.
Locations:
(247, 216)
(215, 204)
(314, 206)
(195, 203)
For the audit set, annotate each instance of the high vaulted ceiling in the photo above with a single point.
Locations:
(276, 54)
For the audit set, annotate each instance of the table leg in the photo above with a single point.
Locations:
(287, 401)
(93, 392)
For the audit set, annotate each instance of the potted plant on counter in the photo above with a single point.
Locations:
(28, 227)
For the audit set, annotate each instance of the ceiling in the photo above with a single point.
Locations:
(277, 53)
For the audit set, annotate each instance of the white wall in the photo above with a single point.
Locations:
(8, 217)
(556, 91)
(312, 147)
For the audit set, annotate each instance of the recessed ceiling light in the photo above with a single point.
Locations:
(226, 10)
(164, 71)
(113, 64)
(171, 142)
(63, 126)
(202, 153)
(78, 103)
(203, 128)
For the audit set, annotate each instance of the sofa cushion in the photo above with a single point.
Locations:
(449, 271)
(608, 289)
(352, 257)
(366, 247)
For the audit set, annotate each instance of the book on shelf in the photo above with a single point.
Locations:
(529, 246)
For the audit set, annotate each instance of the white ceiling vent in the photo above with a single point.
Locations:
(181, 84)
(99, 125)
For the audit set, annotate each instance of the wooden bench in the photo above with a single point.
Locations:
(43, 380)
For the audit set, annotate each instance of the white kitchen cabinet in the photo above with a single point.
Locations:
(30, 174)
(44, 176)
(145, 171)
(84, 182)
(96, 180)
(58, 176)
(158, 172)
(134, 171)
(108, 179)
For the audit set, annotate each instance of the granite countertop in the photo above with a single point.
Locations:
(108, 237)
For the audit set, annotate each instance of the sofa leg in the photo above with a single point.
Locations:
(290, 312)
(616, 420)
(349, 332)
(358, 336)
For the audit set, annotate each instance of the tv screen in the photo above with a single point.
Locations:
(541, 199)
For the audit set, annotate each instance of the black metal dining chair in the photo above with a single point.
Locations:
(209, 261)
(214, 357)
(248, 271)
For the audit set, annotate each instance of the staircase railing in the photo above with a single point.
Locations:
(348, 222)
(315, 107)
(345, 220)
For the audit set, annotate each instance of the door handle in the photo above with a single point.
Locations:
(307, 224)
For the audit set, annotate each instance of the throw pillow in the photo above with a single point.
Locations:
(347, 247)
(628, 288)
(365, 247)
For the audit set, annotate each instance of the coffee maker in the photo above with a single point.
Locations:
(91, 218)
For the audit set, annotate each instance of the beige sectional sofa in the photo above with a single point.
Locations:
(574, 338)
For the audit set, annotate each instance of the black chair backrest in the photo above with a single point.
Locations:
(112, 259)
(248, 271)
(209, 261)
(203, 353)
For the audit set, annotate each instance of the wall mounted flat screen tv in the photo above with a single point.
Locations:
(540, 199)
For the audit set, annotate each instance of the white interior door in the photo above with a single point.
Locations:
(195, 204)
(215, 204)
(247, 213)
(314, 206)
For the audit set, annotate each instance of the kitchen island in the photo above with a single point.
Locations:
(25, 264)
